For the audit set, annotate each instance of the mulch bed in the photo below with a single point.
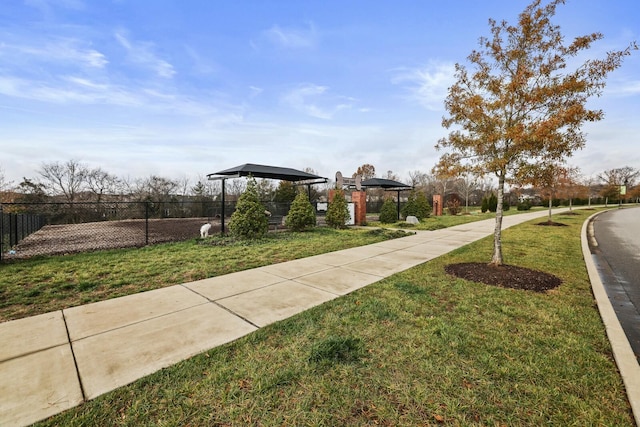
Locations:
(552, 223)
(506, 276)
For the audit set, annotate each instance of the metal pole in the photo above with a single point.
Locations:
(222, 216)
(1, 233)
(146, 223)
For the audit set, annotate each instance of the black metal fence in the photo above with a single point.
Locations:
(31, 229)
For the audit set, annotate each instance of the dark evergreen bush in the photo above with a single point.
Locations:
(338, 211)
(249, 219)
(525, 205)
(388, 212)
(493, 203)
(485, 205)
(301, 215)
(417, 205)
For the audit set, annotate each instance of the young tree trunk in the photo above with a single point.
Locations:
(550, 204)
(497, 233)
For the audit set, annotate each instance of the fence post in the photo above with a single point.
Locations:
(13, 229)
(146, 223)
(1, 233)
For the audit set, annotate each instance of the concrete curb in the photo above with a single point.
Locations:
(622, 352)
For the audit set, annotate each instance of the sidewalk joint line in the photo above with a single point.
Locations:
(73, 355)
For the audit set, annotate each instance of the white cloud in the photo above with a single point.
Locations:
(65, 51)
(142, 53)
(255, 91)
(306, 98)
(47, 6)
(428, 85)
(293, 38)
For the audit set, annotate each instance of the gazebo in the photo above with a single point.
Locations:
(387, 185)
(268, 172)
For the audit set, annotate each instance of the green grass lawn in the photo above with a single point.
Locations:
(418, 348)
(43, 284)
(444, 221)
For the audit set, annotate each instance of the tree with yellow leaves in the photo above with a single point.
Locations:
(521, 107)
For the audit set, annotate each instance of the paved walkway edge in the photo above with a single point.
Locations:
(622, 352)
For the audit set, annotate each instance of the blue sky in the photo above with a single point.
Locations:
(189, 87)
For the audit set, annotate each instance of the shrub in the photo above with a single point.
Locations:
(485, 205)
(493, 203)
(417, 205)
(388, 212)
(525, 205)
(338, 211)
(453, 205)
(301, 214)
(249, 219)
(506, 205)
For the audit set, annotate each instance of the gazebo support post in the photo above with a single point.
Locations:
(223, 213)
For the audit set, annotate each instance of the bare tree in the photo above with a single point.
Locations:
(620, 176)
(183, 185)
(590, 184)
(467, 184)
(212, 188)
(68, 178)
(445, 179)
(418, 178)
(614, 179)
(569, 183)
(235, 187)
(392, 176)
(100, 182)
(5, 185)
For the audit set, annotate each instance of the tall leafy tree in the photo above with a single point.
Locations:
(522, 105)
(366, 171)
(285, 193)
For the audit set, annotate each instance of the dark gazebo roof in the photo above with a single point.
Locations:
(387, 184)
(262, 171)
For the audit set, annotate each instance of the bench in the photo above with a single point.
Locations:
(276, 221)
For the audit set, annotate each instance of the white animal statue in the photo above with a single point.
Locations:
(204, 230)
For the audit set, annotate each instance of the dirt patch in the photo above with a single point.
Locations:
(93, 236)
(506, 276)
(552, 224)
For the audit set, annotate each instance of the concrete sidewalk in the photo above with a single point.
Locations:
(55, 361)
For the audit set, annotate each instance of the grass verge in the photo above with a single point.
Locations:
(418, 348)
(444, 221)
(39, 285)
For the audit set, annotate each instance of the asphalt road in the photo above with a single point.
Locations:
(617, 257)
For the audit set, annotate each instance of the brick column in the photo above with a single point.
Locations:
(437, 205)
(359, 198)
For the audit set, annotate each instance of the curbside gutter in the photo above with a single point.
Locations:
(622, 352)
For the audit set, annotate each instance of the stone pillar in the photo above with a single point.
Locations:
(437, 205)
(359, 198)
